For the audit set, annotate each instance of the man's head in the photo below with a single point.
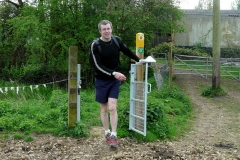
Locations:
(105, 29)
(104, 22)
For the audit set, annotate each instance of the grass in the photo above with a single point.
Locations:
(45, 110)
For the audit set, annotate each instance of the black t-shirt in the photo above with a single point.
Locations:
(106, 62)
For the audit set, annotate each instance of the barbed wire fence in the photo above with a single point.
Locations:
(160, 67)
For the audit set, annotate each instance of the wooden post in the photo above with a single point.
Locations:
(139, 87)
(216, 45)
(72, 86)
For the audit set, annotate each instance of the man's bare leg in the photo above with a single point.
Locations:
(104, 115)
(112, 102)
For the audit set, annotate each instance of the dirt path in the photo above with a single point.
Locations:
(217, 120)
(215, 134)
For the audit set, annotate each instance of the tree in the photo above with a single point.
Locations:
(7, 12)
(42, 31)
(236, 5)
(17, 5)
(205, 4)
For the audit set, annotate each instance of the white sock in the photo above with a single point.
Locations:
(107, 131)
(114, 134)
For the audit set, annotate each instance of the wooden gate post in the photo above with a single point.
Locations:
(72, 86)
(139, 87)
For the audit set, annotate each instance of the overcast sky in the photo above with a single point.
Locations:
(190, 4)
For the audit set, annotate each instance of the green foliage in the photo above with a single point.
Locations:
(18, 136)
(164, 48)
(175, 106)
(26, 125)
(58, 98)
(167, 113)
(204, 5)
(34, 40)
(40, 115)
(235, 5)
(174, 93)
(210, 92)
(230, 53)
(29, 139)
(4, 136)
(155, 111)
(25, 92)
(79, 130)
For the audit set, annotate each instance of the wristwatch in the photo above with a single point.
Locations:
(114, 73)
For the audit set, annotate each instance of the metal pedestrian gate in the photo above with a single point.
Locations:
(138, 99)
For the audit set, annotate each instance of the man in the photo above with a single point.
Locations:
(107, 77)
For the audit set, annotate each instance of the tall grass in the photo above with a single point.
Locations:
(45, 110)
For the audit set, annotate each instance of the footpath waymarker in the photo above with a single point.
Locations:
(72, 86)
(140, 54)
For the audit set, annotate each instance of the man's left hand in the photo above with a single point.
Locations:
(119, 76)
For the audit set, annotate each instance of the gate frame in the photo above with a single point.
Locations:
(133, 91)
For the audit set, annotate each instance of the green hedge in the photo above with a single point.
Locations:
(164, 48)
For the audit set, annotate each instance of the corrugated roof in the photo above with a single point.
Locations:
(227, 13)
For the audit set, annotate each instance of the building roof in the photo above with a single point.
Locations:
(224, 13)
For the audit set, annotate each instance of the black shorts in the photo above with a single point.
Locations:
(106, 89)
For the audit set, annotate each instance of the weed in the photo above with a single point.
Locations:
(4, 136)
(18, 136)
(210, 92)
(79, 130)
(28, 139)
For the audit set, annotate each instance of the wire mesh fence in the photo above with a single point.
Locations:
(160, 67)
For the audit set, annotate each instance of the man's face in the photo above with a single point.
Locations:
(106, 31)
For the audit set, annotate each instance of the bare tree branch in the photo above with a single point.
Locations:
(15, 4)
(20, 3)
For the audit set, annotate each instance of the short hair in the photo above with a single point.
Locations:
(104, 22)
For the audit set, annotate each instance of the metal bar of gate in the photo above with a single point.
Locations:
(78, 91)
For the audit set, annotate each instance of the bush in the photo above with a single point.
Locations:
(18, 136)
(210, 92)
(164, 48)
(79, 130)
(167, 115)
(28, 139)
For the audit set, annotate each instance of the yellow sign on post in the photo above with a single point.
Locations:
(140, 44)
